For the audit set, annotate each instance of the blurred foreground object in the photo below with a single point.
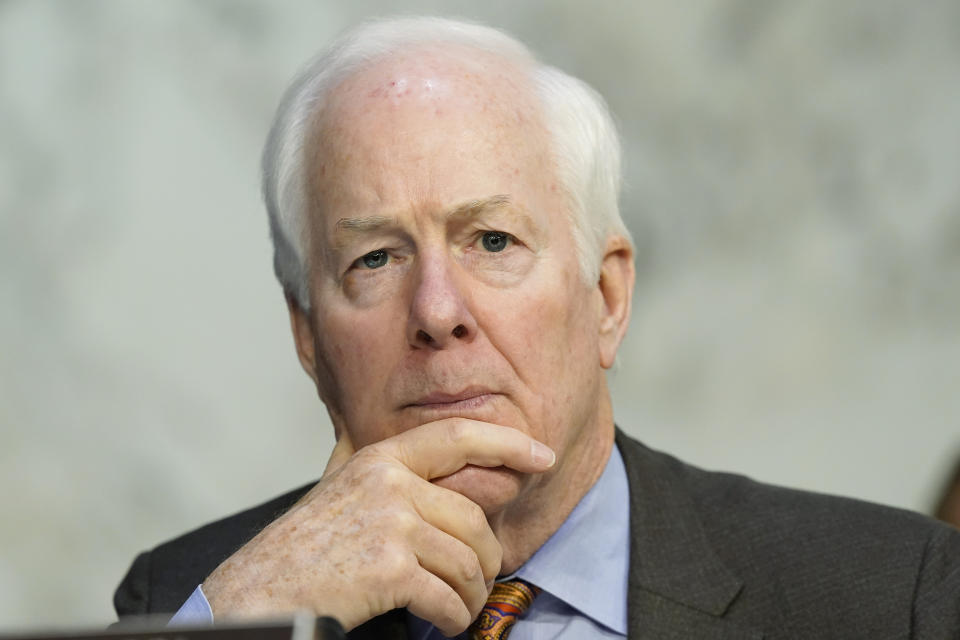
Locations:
(304, 627)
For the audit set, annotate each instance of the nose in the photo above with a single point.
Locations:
(439, 310)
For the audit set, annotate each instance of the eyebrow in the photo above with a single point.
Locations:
(473, 208)
(359, 225)
(346, 227)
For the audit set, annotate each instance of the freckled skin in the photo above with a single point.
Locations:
(421, 506)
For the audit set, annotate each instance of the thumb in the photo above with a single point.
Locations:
(340, 454)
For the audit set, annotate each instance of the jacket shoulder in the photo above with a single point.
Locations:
(873, 567)
(817, 565)
(735, 509)
(160, 581)
(813, 526)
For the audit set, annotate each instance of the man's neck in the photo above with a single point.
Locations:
(526, 525)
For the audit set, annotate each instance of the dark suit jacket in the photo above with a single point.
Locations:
(713, 555)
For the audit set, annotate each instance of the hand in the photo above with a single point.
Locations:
(375, 534)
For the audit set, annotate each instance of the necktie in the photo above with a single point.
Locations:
(507, 602)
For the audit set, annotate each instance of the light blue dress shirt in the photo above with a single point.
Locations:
(582, 570)
(195, 611)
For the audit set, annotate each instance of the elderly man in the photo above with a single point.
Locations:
(444, 213)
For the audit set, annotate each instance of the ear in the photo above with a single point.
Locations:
(303, 337)
(616, 293)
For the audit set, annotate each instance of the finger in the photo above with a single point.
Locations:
(437, 449)
(456, 564)
(435, 601)
(340, 454)
(461, 518)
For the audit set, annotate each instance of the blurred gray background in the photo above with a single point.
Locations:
(793, 187)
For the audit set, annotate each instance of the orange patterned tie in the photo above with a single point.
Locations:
(506, 603)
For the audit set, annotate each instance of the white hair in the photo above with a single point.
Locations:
(585, 146)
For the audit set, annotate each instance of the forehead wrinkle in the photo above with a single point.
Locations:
(351, 227)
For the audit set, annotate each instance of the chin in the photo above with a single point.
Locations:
(493, 488)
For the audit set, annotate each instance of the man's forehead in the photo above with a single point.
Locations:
(384, 130)
(417, 99)
(428, 72)
(429, 79)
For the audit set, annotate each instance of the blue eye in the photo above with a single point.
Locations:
(494, 241)
(375, 259)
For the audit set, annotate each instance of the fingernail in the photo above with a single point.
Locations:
(490, 585)
(542, 454)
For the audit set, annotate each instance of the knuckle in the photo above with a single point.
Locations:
(458, 431)
(394, 564)
(467, 567)
(405, 523)
(474, 517)
(390, 478)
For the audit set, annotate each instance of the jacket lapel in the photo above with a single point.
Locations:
(678, 587)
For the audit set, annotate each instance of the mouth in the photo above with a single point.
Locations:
(468, 399)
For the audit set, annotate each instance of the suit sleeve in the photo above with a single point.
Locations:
(132, 597)
(936, 606)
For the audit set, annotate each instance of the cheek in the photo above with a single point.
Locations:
(546, 339)
(356, 351)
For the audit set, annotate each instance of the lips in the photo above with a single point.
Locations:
(470, 398)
